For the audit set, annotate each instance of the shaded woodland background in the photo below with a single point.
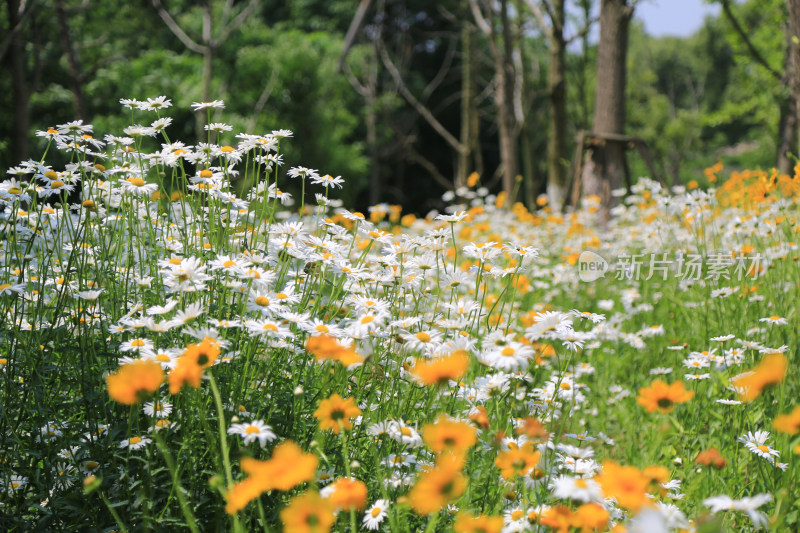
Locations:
(406, 98)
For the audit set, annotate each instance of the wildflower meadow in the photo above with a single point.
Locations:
(186, 346)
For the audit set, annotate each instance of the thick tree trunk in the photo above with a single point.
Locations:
(509, 151)
(19, 91)
(794, 60)
(467, 104)
(557, 98)
(604, 163)
(787, 134)
(375, 189)
(208, 58)
(74, 74)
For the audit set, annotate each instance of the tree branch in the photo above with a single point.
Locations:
(17, 27)
(418, 158)
(417, 105)
(534, 7)
(352, 31)
(480, 20)
(262, 101)
(235, 23)
(179, 33)
(726, 7)
(583, 31)
(448, 61)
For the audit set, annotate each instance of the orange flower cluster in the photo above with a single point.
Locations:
(335, 413)
(134, 381)
(770, 371)
(326, 347)
(440, 485)
(663, 397)
(308, 513)
(190, 365)
(587, 517)
(788, 423)
(441, 370)
(288, 467)
(750, 189)
(467, 523)
(517, 461)
(625, 483)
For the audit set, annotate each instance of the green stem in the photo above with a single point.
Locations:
(113, 511)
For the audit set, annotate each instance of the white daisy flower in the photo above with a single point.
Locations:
(252, 431)
(376, 514)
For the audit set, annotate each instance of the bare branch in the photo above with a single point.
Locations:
(354, 82)
(176, 29)
(583, 31)
(236, 22)
(448, 61)
(17, 27)
(534, 7)
(352, 31)
(262, 101)
(417, 105)
(480, 20)
(422, 161)
(726, 7)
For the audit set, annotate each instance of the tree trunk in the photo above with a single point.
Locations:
(604, 162)
(375, 189)
(208, 57)
(794, 61)
(467, 96)
(505, 101)
(19, 92)
(73, 63)
(557, 99)
(787, 132)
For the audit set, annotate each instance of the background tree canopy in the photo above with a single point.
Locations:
(404, 98)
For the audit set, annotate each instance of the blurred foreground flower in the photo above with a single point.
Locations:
(770, 371)
(288, 467)
(135, 381)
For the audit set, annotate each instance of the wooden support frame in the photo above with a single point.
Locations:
(585, 139)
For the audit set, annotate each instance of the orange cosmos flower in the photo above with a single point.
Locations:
(335, 413)
(441, 370)
(711, 457)
(347, 494)
(517, 461)
(308, 513)
(437, 487)
(625, 483)
(591, 517)
(560, 518)
(659, 395)
(448, 434)
(480, 417)
(133, 381)
(467, 523)
(533, 429)
(190, 365)
(788, 423)
(288, 467)
(770, 371)
(325, 347)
